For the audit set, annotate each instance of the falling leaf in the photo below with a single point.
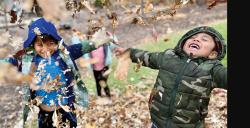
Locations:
(4, 52)
(13, 16)
(138, 65)
(37, 31)
(101, 20)
(148, 7)
(173, 13)
(107, 72)
(55, 119)
(5, 38)
(138, 10)
(121, 70)
(87, 5)
(138, 20)
(185, 1)
(112, 16)
(66, 108)
(212, 4)
(14, 77)
(51, 9)
(166, 40)
(37, 101)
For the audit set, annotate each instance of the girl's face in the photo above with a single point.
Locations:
(200, 45)
(45, 47)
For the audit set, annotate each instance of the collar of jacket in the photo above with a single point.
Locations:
(183, 55)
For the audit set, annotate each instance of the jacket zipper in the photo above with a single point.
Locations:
(177, 82)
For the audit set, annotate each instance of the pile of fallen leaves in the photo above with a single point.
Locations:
(127, 109)
(217, 109)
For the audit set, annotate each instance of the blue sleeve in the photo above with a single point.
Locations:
(10, 60)
(77, 50)
(113, 46)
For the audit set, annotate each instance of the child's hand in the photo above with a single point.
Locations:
(119, 51)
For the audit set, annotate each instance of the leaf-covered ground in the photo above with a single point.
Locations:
(128, 109)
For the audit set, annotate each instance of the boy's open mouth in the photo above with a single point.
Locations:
(195, 46)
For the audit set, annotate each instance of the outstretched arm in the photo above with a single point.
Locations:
(219, 74)
(152, 60)
(98, 39)
(78, 50)
(10, 60)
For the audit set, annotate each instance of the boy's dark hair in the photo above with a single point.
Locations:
(217, 46)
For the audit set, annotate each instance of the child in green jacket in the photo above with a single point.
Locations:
(187, 75)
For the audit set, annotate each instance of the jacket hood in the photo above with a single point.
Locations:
(40, 27)
(219, 40)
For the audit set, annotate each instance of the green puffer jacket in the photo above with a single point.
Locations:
(182, 90)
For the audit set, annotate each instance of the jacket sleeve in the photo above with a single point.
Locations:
(151, 60)
(77, 50)
(10, 60)
(219, 74)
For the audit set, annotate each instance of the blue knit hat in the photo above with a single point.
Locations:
(40, 27)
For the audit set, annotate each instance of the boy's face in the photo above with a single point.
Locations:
(200, 45)
(45, 48)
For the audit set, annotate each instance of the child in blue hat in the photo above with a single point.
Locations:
(56, 83)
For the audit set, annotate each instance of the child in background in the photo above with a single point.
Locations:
(98, 60)
(187, 75)
(102, 57)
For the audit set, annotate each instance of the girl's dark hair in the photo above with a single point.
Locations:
(48, 37)
(44, 38)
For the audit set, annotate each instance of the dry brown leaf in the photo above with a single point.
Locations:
(4, 52)
(148, 7)
(87, 5)
(107, 72)
(55, 119)
(51, 9)
(121, 70)
(84, 62)
(13, 16)
(166, 40)
(138, 20)
(212, 4)
(138, 65)
(9, 75)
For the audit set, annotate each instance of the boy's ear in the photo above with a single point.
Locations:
(213, 55)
